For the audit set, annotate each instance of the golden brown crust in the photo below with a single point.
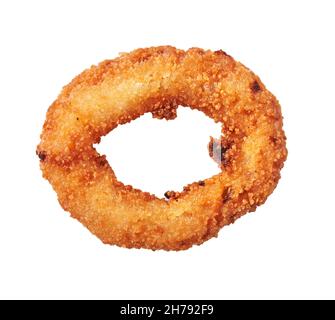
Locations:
(157, 80)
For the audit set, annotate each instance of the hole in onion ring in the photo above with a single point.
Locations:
(160, 156)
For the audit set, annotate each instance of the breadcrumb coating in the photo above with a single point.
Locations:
(158, 80)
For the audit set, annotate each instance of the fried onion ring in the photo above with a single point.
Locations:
(251, 150)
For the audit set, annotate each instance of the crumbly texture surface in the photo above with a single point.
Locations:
(157, 80)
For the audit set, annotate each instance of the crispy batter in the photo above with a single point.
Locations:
(157, 80)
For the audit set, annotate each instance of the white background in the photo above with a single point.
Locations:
(283, 250)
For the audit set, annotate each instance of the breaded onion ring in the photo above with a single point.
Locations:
(251, 150)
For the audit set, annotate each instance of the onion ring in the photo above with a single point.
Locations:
(251, 150)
